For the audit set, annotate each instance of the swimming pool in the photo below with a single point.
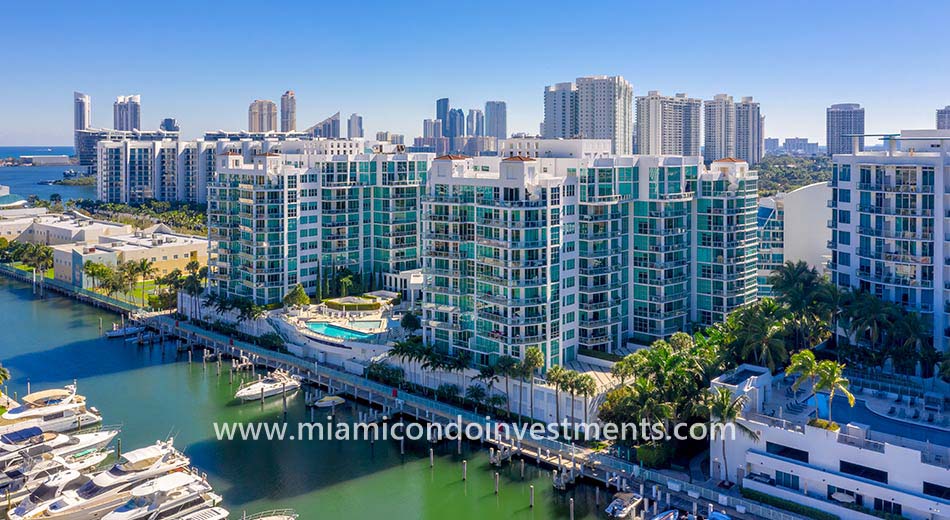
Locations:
(366, 324)
(844, 414)
(335, 331)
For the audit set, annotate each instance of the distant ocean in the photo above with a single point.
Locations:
(18, 151)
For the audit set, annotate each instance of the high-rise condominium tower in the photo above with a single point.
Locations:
(496, 119)
(605, 111)
(668, 125)
(82, 114)
(354, 126)
(749, 131)
(262, 116)
(560, 111)
(720, 128)
(842, 121)
(943, 118)
(442, 113)
(475, 122)
(288, 112)
(127, 113)
(169, 124)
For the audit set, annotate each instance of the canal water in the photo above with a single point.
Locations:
(153, 392)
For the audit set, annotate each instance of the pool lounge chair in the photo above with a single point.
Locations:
(892, 411)
(902, 413)
(916, 414)
(930, 417)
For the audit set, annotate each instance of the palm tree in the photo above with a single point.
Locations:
(569, 383)
(506, 366)
(193, 287)
(459, 362)
(912, 334)
(476, 394)
(345, 283)
(533, 360)
(555, 377)
(805, 365)
(587, 386)
(146, 269)
(40, 258)
(831, 379)
(4, 376)
(488, 375)
(798, 288)
(623, 369)
(761, 333)
(723, 411)
(870, 316)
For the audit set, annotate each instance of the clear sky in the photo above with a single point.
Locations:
(203, 62)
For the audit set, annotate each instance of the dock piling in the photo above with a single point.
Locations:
(431, 457)
(572, 508)
(531, 500)
(522, 469)
(496, 482)
(464, 470)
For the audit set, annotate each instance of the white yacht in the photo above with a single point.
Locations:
(624, 505)
(276, 514)
(33, 443)
(55, 410)
(210, 513)
(169, 496)
(276, 383)
(23, 479)
(108, 489)
(54, 486)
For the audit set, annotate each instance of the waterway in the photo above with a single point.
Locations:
(24, 181)
(154, 392)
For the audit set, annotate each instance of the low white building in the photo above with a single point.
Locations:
(878, 462)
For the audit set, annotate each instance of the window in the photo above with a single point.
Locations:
(863, 471)
(887, 506)
(787, 452)
(936, 490)
(786, 480)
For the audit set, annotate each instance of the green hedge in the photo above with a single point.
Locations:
(655, 455)
(787, 505)
(606, 356)
(368, 306)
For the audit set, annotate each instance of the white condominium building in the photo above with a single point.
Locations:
(593, 107)
(750, 131)
(842, 121)
(300, 211)
(890, 222)
(262, 116)
(130, 171)
(127, 113)
(560, 111)
(880, 463)
(668, 125)
(720, 128)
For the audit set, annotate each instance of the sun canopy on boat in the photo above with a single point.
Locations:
(164, 484)
(44, 396)
(142, 454)
(20, 435)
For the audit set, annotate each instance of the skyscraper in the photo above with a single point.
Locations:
(842, 121)
(720, 128)
(288, 112)
(749, 134)
(496, 119)
(455, 123)
(432, 128)
(605, 111)
(329, 127)
(560, 111)
(475, 122)
(943, 118)
(169, 124)
(668, 125)
(262, 116)
(82, 115)
(354, 126)
(127, 113)
(442, 113)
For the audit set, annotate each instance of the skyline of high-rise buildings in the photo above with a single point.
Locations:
(591, 107)
(82, 115)
(668, 125)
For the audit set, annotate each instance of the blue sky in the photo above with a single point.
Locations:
(203, 62)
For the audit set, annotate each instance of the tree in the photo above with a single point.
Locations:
(345, 283)
(587, 386)
(911, 335)
(410, 322)
(40, 258)
(803, 363)
(797, 288)
(488, 375)
(569, 382)
(146, 269)
(4, 376)
(555, 377)
(623, 369)
(761, 333)
(869, 316)
(533, 361)
(447, 392)
(476, 394)
(831, 379)
(506, 366)
(297, 297)
(459, 362)
(723, 411)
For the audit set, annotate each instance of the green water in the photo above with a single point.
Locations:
(153, 393)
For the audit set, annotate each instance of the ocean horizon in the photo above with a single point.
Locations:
(19, 151)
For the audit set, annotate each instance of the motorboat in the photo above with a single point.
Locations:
(672, 514)
(31, 443)
(111, 488)
(17, 483)
(123, 332)
(718, 515)
(54, 410)
(329, 401)
(209, 513)
(275, 514)
(53, 487)
(624, 505)
(168, 496)
(275, 383)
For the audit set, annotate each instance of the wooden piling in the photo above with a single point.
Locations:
(464, 470)
(531, 500)
(572, 508)
(431, 457)
(522, 469)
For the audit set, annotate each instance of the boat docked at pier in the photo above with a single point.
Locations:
(108, 489)
(275, 514)
(672, 514)
(208, 513)
(21, 480)
(624, 505)
(123, 332)
(54, 486)
(169, 496)
(276, 383)
(31, 443)
(54, 410)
